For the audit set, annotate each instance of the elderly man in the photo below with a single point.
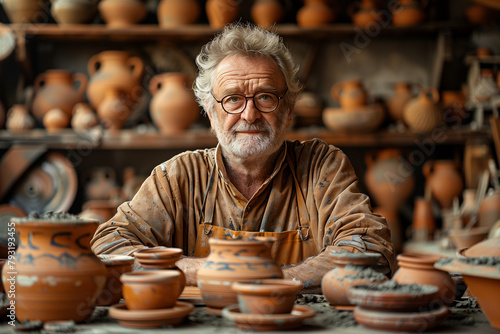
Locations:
(254, 182)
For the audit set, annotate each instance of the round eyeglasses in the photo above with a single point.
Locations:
(264, 102)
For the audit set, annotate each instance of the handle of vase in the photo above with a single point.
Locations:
(39, 81)
(82, 79)
(92, 65)
(427, 168)
(370, 159)
(431, 94)
(336, 91)
(154, 84)
(137, 66)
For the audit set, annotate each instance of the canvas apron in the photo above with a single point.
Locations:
(291, 247)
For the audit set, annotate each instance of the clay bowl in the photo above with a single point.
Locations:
(147, 290)
(267, 296)
(158, 257)
(391, 296)
(490, 247)
(466, 238)
(116, 265)
(363, 119)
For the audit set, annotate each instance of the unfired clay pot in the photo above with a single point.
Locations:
(267, 13)
(423, 114)
(444, 180)
(116, 265)
(173, 13)
(122, 13)
(230, 261)
(19, 119)
(73, 11)
(315, 13)
(25, 11)
(396, 104)
(58, 275)
(221, 12)
(408, 13)
(350, 94)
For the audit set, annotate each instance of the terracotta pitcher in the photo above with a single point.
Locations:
(114, 70)
(221, 12)
(58, 277)
(350, 94)
(267, 13)
(58, 89)
(230, 261)
(396, 104)
(443, 180)
(173, 13)
(25, 11)
(408, 13)
(423, 114)
(173, 106)
(315, 13)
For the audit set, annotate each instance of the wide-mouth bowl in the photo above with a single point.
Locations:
(266, 287)
(466, 238)
(158, 253)
(151, 276)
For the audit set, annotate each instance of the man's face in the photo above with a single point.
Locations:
(250, 132)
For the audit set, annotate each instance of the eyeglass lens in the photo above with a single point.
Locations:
(264, 102)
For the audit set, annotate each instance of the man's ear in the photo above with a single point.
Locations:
(289, 117)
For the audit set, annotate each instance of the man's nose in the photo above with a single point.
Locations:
(250, 114)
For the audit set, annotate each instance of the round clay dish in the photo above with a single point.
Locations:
(151, 318)
(158, 256)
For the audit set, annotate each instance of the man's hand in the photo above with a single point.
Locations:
(190, 266)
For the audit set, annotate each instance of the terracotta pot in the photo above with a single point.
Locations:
(489, 210)
(100, 183)
(26, 11)
(419, 269)
(114, 70)
(396, 104)
(122, 13)
(83, 117)
(423, 221)
(55, 120)
(19, 119)
(361, 120)
(113, 111)
(465, 238)
(116, 265)
(395, 225)
(58, 276)
(221, 12)
(367, 14)
(151, 290)
(350, 94)
(444, 181)
(267, 296)
(73, 11)
(267, 13)
(171, 93)
(230, 261)
(58, 89)
(173, 13)
(387, 179)
(408, 13)
(423, 114)
(315, 13)
(352, 269)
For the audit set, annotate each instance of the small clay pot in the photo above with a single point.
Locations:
(148, 290)
(116, 265)
(55, 120)
(423, 114)
(444, 181)
(409, 13)
(315, 13)
(396, 104)
(19, 119)
(122, 13)
(221, 12)
(268, 296)
(267, 13)
(467, 238)
(84, 117)
(350, 94)
(174, 13)
(114, 110)
(73, 11)
(361, 120)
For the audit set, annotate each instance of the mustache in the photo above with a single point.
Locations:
(244, 126)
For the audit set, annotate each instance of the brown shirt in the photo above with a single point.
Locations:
(166, 210)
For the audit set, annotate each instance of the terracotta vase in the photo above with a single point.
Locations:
(174, 13)
(367, 14)
(444, 181)
(423, 220)
(19, 119)
(349, 94)
(171, 94)
(73, 11)
(25, 11)
(408, 13)
(114, 110)
(84, 117)
(489, 210)
(221, 12)
(122, 13)
(55, 120)
(116, 265)
(267, 13)
(387, 179)
(58, 89)
(315, 13)
(423, 114)
(230, 261)
(396, 104)
(114, 70)
(419, 269)
(352, 269)
(58, 276)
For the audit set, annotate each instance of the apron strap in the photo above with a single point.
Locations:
(207, 209)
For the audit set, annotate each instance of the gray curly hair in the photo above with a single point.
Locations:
(247, 40)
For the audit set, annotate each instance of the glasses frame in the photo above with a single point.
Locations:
(246, 101)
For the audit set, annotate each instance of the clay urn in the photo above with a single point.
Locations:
(173, 106)
(266, 13)
(150, 290)
(489, 210)
(25, 11)
(122, 13)
(352, 269)
(58, 89)
(114, 70)
(73, 11)
(116, 265)
(349, 94)
(366, 14)
(408, 13)
(423, 220)
(419, 269)
(19, 119)
(221, 12)
(114, 110)
(267, 296)
(56, 119)
(315, 13)
(174, 13)
(396, 104)
(230, 261)
(387, 179)
(58, 275)
(84, 117)
(423, 114)
(444, 181)
(308, 109)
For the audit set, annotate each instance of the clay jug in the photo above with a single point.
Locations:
(396, 104)
(419, 269)
(423, 114)
(230, 261)
(408, 13)
(55, 120)
(387, 179)
(83, 117)
(352, 269)
(114, 110)
(122, 13)
(58, 276)
(116, 265)
(221, 12)
(489, 210)
(315, 13)
(349, 94)
(25, 11)
(173, 106)
(174, 13)
(367, 14)
(443, 180)
(114, 70)
(423, 221)
(267, 13)
(73, 11)
(19, 119)
(58, 89)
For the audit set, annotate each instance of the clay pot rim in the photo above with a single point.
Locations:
(153, 276)
(355, 258)
(42, 222)
(121, 312)
(468, 269)
(158, 253)
(417, 259)
(116, 259)
(233, 312)
(265, 287)
(241, 242)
